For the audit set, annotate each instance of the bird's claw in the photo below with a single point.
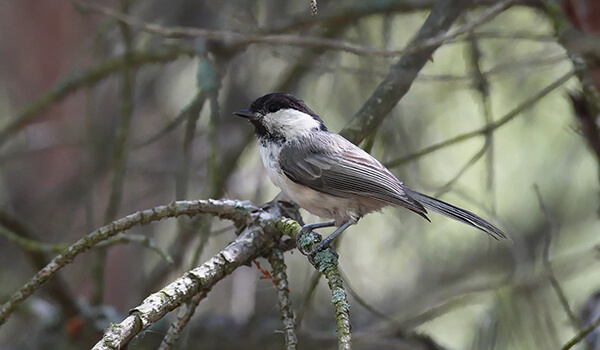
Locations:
(320, 246)
(301, 234)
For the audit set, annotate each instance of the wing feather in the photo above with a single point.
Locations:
(345, 172)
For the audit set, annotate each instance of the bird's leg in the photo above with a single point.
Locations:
(327, 241)
(308, 228)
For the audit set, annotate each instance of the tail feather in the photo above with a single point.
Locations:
(456, 213)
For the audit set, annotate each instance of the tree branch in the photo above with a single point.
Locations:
(87, 77)
(236, 211)
(402, 74)
(483, 131)
(262, 232)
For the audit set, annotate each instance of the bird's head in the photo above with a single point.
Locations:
(281, 116)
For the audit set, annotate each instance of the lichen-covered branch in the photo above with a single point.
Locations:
(262, 233)
(237, 211)
(285, 304)
(326, 262)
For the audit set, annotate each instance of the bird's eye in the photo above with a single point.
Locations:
(273, 108)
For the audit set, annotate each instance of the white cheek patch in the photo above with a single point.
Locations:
(290, 122)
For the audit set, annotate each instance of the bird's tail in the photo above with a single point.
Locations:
(456, 213)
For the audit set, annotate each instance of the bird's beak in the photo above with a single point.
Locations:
(244, 113)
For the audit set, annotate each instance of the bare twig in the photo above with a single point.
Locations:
(140, 240)
(581, 334)
(482, 85)
(231, 37)
(308, 296)
(184, 316)
(119, 158)
(448, 185)
(553, 232)
(88, 77)
(482, 131)
(194, 106)
(28, 240)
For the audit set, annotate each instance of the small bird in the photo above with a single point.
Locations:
(328, 175)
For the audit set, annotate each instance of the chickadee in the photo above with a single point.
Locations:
(328, 175)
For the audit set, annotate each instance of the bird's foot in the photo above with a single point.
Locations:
(307, 237)
(319, 248)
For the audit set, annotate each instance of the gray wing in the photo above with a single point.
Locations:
(345, 172)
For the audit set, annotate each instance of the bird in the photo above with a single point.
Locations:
(331, 177)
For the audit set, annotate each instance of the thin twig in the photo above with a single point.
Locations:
(141, 240)
(482, 131)
(28, 240)
(119, 158)
(88, 77)
(402, 74)
(231, 37)
(313, 282)
(186, 311)
(194, 105)
(482, 85)
(553, 229)
(285, 304)
(582, 334)
(448, 185)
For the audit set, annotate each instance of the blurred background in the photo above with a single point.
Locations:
(112, 119)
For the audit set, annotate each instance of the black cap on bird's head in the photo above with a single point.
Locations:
(272, 103)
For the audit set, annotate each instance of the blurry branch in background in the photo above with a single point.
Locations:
(34, 246)
(193, 107)
(425, 43)
(484, 130)
(140, 240)
(482, 85)
(567, 35)
(186, 311)
(26, 238)
(586, 104)
(208, 83)
(450, 183)
(236, 211)
(396, 84)
(88, 77)
(119, 157)
(552, 232)
(543, 61)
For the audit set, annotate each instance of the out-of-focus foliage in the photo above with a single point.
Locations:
(442, 278)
